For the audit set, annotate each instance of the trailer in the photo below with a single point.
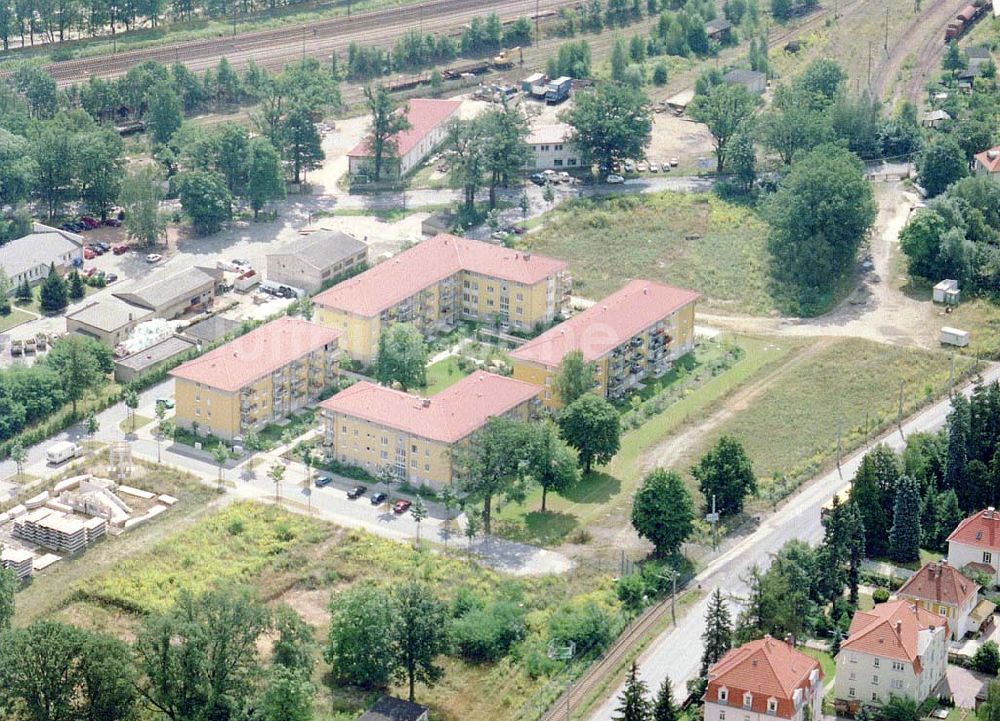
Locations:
(558, 90)
(534, 85)
(954, 336)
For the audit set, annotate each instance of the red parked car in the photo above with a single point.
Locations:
(402, 506)
(89, 272)
(89, 253)
(120, 249)
(91, 223)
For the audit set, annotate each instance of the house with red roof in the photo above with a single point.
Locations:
(763, 679)
(429, 119)
(896, 649)
(974, 545)
(942, 589)
(379, 428)
(635, 333)
(988, 163)
(256, 379)
(438, 283)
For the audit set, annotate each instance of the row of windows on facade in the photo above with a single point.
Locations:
(877, 663)
(895, 683)
(413, 464)
(384, 439)
(852, 692)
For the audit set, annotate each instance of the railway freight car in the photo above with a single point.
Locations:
(965, 19)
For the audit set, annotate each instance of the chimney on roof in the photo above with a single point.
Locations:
(899, 626)
(790, 639)
(645, 291)
(527, 256)
(993, 153)
(425, 402)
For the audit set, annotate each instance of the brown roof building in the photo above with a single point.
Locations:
(975, 544)
(942, 589)
(766, 677)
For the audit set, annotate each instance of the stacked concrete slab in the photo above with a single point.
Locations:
(58, 530)
(19, 561)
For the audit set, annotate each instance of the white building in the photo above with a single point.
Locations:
(941, 589)
(762, 680)
(29, 258)
(551, 148)
(316, 259)
(988, 163)
(975, 544)
(429, 121)
(896, 649)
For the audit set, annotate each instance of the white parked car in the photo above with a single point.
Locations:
(614, 179)
(154, 258)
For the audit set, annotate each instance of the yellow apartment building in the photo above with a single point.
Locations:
(259, 378)
(440, 282)
(633, 334)
(375, 427)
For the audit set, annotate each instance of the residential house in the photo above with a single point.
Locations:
(974, 545)
(934, 118)
(718, 29)
(551, 148)
(375, 427)
(389, 708)
(764, 679)
(259, 378)
(752, 80)
(174, 294)
(440, 282)
(429, 121)
(896, 649)
(316, 259)
(988, 162)
(29, 258)
(635, 333)
(941, 589)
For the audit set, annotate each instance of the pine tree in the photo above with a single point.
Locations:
(718, 634)
(955, 476)
(23, 291)
(633, 706)
(76, 289)
(982, 425)
(867, 496)
(52, 296)
(947, 515)
(836, 639)
(856, 540)
(665, 707)
(750, 624)
(904, 537)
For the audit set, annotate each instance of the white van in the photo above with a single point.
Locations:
(62, 451)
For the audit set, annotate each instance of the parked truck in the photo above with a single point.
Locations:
(558, 90)
(62, 451)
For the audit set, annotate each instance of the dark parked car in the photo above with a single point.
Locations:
(322, 481)
(102, 245)
(537, 179)
(113, 222)
(357, 492)
(110, 277)
(401, 506)
(377, 498)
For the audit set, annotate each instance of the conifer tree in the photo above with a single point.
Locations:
(904, 537)
(955, 468)
(665, 706)
(718, 634)
(23, 292)
(947, 515)
(52, 296)
(633, 704)
(76, 289)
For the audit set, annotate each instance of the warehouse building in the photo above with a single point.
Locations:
(29, 258)
(108, 321)
(316, 259)
(175, 294)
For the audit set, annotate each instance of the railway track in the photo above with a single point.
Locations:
(606, 664)
(929, 50)
(272, 49)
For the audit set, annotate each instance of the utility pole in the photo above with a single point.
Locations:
(869, 63)
(713, 518)
(839, 471)
(673, 597)
(886, 46)
(538, 32)
(951, 377)
(899, 413)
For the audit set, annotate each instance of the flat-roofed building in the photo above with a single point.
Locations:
(438, 283)
(551, 147)
(171, 295)
(375, 427)
(259, 378)
(633, 334)
(315, 259)
(153, 358)
(108, 321)
(428, 129)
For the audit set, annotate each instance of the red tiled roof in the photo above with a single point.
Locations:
(252, 356)
(424, 115)
(891, 630)
(767, 668)
(940, 583)
(991, 164)
(981, 530)
(606, 324)
(429, 262)
(449, 416)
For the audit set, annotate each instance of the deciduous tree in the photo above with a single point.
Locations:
(726, 473)
(663, 512)
(574, 378)
(265, 181)
(206, 200)
(142, 192)
(360, 648)
(386, 125)
(551, 464)
(940, 164)
(591, 425)
(402, 357)
(420, 631)
(725, 109)
(611, 124)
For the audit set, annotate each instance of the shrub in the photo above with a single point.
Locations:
(631, 592)
(987, 658)
(880, 595)
(587, 625)
(487, 634)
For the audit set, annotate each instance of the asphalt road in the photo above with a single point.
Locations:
(677, 652)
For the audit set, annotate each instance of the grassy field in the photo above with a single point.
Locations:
(826, 663)
(15, 318)
(790, 429)
(442, 374)
(293, 559)
(129, 425)
(692, 240)
(982, 318)
(603, 498)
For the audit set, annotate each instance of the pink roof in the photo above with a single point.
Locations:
(252, 356)
(606, 324)
(767, 668)
(981, 529)
(424, 115)
(990, 159)
(449, 416)
(939, 582)
(430, 262)
(891, 630)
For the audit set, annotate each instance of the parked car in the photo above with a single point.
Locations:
(154, 258)
(654, 168)
(240, 262)
(89, 272)
(323, 481)
(89, 223)
(674, 162)
(537, 178)
(110, 277)
(377, 498)
(166, 402)
(112, 222)
(665, 167)
(120, 249)
(629, 166)
(401, 506)
(641, 166)
(89, 253)
(16, 347)
(614, 179)
(357, 492)
(104, 247)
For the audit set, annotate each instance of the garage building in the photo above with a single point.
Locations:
(316, 259)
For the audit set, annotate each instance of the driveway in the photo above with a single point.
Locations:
(964, 684)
